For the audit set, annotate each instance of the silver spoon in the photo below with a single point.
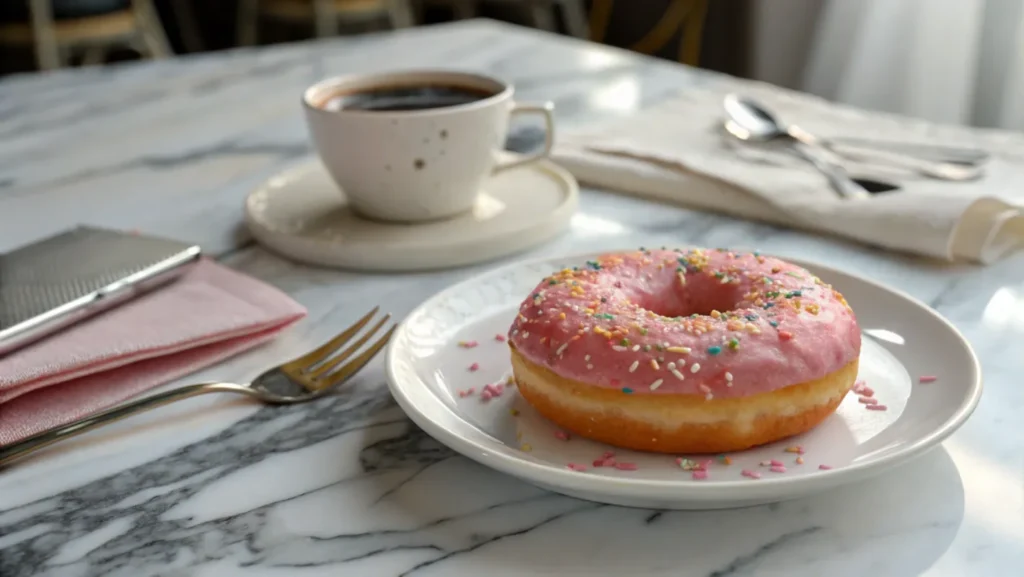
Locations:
(762, 126)
(754, 124)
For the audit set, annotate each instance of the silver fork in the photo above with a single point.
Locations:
(302, 379)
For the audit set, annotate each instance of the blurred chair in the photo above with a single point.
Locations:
(325, 15)
(542, 13)
(56, 28)
(683, 17)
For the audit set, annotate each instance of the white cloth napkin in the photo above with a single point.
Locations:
(677, 152)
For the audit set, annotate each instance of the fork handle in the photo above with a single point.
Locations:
(46, 438)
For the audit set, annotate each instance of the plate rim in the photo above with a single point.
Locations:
(553, 477)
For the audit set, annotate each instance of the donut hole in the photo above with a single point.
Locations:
(699, 296)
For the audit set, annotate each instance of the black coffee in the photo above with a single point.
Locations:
(403, 98)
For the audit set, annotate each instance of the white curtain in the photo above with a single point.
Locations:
(950, 61)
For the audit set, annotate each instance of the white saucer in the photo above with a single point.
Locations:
(903, 340)
(301, 214)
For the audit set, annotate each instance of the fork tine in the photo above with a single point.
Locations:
(346, 372)
(337, 360)
(332, 345)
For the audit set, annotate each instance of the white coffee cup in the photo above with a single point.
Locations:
(413, 165)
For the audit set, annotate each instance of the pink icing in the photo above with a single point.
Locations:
(751, 323)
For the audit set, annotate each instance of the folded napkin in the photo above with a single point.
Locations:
(208, 315)
(677, 152)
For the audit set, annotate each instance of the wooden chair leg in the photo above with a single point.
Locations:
(48, 54)
(151, 30)
(248, 22)
(401, 14)
(326, 19)
(542, 12)
(188, 25)
(463, 9)
(575, 17)
(94, 56)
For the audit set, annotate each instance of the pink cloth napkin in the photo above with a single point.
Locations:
(204, 317)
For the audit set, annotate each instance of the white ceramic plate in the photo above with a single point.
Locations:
(303, 215)
(903, 340)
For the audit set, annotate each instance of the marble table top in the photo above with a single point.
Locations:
(219, 486)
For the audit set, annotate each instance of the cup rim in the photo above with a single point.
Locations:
(505, 92)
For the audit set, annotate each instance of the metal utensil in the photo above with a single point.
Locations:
(299, 380)
(837, 177)
(935, 152)
(762, 126)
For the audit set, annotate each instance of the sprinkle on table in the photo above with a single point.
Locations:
(474, 367)
(468, 344)
(562, 435)
(824, 467)
(626, 466)
(499, 337)
(927, 379)
(867, 400)
(725, 459)
(526, 447)
(700, 475)
(514, 412)
(798, 449)
(751, 474)
(576, 467)
(799, 460)
(876, 407)
(776, 463)
(467, 392)
(778, 469)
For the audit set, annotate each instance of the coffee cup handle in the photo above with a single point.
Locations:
(546, 110)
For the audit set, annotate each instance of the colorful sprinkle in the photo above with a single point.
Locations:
(778, 469)
(656, 384)
(467, 392)
(680, 350)
(699, 475)
(927, 379)
(776, 463)
(876, 407)
(576, 467)
(799, 460)
(868, 400)
(526, 447)
(626, 466)
(468, 344)
(785, 335)
(824, 467)
(627, 390)
(500, 338)
(751, 474)
(514, 412)
(725, 459)
(799, 449)
(714, 350)
(694, 367)
(632, 368)
(474, 367)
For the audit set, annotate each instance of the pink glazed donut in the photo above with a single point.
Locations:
(685, 351)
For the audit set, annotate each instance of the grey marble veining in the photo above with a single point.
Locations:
(348, 486)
